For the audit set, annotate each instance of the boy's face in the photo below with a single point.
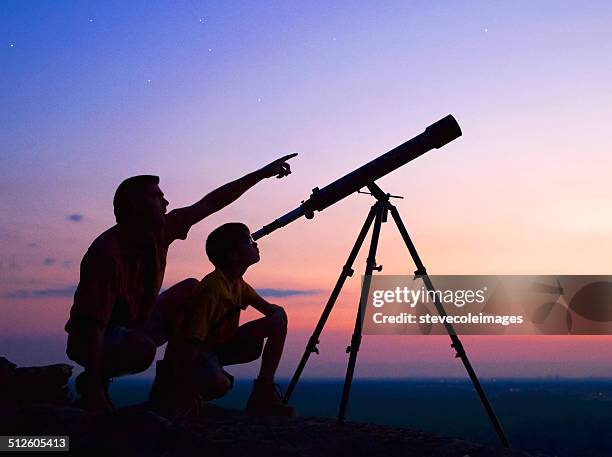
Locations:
(246, 252)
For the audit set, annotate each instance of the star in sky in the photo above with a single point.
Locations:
(12, 45)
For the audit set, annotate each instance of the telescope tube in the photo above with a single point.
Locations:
(434, 137)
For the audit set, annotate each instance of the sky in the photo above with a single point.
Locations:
(201, 93)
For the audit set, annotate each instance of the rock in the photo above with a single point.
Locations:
(31, 385)
(22, 387)
(7, 371)
(128, 431)
(139, 430)
(6, 367)
(48, 384)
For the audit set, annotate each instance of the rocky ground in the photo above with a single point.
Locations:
(35, 401)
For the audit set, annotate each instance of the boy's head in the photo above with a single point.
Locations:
(231, 245)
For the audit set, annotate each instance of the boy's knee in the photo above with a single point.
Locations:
(169, 306)
(217, 386)
(179, 294)
(189, 284)
(184, 289)
(279, 321)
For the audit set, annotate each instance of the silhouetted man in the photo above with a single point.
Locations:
(118, 320)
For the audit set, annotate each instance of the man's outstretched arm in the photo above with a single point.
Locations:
(228, 193)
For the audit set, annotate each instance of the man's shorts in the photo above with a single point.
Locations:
(154, 329)
(78, 341)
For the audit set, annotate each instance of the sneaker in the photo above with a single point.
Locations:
(173, 399)
(266, 400)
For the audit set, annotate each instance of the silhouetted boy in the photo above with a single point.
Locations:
(209, 336)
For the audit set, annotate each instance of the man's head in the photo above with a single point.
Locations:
(231, 245)
(139, 201)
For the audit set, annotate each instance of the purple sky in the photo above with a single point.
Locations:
(203, 92)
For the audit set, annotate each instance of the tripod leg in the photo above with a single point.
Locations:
(456, 343)
(353, 349)
(346, 272)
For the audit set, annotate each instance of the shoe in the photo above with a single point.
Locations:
(170, 400)
(266, 400)
(179, 406)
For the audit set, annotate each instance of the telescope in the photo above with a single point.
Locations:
(434, 137)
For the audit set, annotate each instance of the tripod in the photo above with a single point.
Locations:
(377, 215)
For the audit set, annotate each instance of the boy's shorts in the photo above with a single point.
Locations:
(236, 351)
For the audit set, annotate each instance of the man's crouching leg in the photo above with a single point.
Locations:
(169, 310)
(122, 352)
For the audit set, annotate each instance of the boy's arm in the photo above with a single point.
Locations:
(228, 193)
(263, 306)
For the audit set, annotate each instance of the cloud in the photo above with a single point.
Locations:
(48, 261)
(22, 294)
(280, 293)
(75, 217)
(68, 291)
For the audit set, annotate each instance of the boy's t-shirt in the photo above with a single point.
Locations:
(213, 314)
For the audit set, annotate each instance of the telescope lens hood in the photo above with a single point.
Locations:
(443, 131)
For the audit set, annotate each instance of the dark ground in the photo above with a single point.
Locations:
(137, 431)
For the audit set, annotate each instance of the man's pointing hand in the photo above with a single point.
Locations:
(279, 168)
